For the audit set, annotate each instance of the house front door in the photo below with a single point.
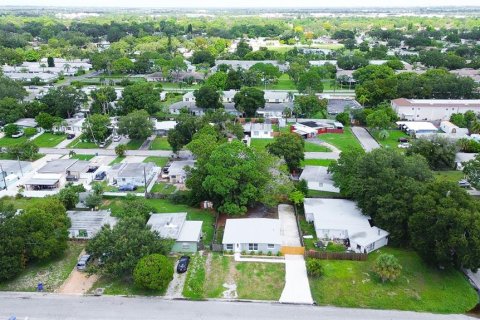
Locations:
(237, 248)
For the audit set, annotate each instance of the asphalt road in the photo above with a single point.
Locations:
(33, 306)
(366, 140)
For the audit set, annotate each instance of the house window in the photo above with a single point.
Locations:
(253, 246)
(255, 133)
(265, 132)
(270, 246)
(82, 233)
(230, 246)
(185, 245)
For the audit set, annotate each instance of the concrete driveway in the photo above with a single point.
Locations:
(297, 287)
(288, 226)
(366, 140)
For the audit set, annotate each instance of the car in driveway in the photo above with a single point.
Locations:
(100, 175)
(17, 134)
(404, 145)
(117, 138)
(70, 136)
(182, 265)
(83, 262)
(464, 183)
(127, 187)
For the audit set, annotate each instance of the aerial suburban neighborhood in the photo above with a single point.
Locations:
(240, 161)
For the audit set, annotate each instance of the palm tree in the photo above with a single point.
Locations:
(475, 128)
(66, 67)
(290, 96)
(43, 66)
(363, 99)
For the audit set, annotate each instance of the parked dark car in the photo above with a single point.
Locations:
(70, 136)
(182, 265)
(127, 187)
(83, 262)
(100, 176)
(403, 140)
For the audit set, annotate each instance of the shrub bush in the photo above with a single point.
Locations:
(314, 268)
(153, 272)
(387, 267)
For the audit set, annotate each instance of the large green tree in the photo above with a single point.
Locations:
(122, 246)
(207, 97)
(63, 101)
(137, 125)
(290, 147)
(249, 100)
(96, 127)
(140, 95)
(439, 152)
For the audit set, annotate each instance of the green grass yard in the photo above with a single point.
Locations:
(159, 161)
(163, 188)
(284, 83)
(451, 176)
(78, 144)
(343, 141)
(117, 160)
(261, 144)
(51, 273)
(49, 140)
(134, 144)
(317, 162)
(392, 140)
(124, 287)
(419, 287)
(85, 157)
(160, 143)
(8, 142)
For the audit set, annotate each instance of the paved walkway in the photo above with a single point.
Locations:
(322, 155)
(297, 287)
(366, 140)
(288, 226)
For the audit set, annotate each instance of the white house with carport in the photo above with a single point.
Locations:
(417, 128)
(258, 130)
(132, 173)
(252, 234)
(26, 123)
(187, 234)
(176, 171)
(340, 219)
(12, 170)
(161, 128)
(86, 224)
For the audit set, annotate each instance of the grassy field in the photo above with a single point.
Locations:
(122, 287)
(260, 144)
(163, 188)
(345, 141)
(51, 273)
(85, 157)
(159, 161)
(77, 144)
(391, 141)
(317, 162)
(134, 144)
(49, 140)
(8, 142)
(160, 143)
(452, 176)
(283, 83)
(217, 274)
(194, 284)
(166, 206)
(419, 287)
(117, 160)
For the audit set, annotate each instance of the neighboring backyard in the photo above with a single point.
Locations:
(343, 141)
(8, 142)
(419, 287)
(218, 276)
(392, 140)
(452, 176)
(51, 273)
(261, 144)
(159, 161)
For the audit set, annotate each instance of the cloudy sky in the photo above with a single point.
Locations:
(239, 3)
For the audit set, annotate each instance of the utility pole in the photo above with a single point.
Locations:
(3, 175)
(20, 165)
(145, 180)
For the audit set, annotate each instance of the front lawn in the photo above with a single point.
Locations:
(85, 157)
(317, 162)
(253, 280)
(261, 144)
(51, 273)
(419, 287)
(124, 287)
(117, 160)
(283, 83)
(49, 140)
(134, 144)
(77, 144)
(194, 284)
(159, 161)
(8, 142)
(343, 141)
(166, 206)
(392, 140)
(160, 143)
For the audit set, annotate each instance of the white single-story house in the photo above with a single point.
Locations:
(258, 130)
(12, 170)
(340, 219)
(318, 178)
(132, 173)
(453, 130)
(187, 234)
(247, 64)
(161, 128)
(71, 125)
(432, 109)
(26, 123)
(176, 172)
(252, 234)
(86, 224)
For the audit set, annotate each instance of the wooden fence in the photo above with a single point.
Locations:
(292, 250)
(215, 247)
(336, 255)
